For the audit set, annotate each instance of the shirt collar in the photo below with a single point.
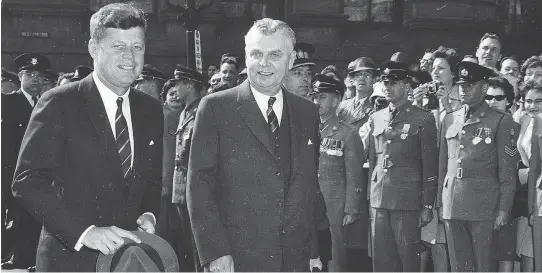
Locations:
(28, 96)
(262, 99)
(106, 93)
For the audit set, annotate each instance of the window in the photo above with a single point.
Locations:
(375, 11)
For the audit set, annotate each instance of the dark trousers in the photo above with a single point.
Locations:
(537, 243)
(26, 234)
(470, 245)
(358, 260)
(396, 240)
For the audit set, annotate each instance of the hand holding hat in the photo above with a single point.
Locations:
(107, 239)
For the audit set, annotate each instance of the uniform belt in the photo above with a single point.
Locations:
(481, 173)
(403, 162)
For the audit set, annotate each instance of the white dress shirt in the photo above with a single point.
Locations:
(28, 97)
(263, 100)
(109, 99)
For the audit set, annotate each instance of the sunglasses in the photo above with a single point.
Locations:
(497, 97)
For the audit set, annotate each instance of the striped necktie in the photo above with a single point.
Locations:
(123, 139)
(272, 119)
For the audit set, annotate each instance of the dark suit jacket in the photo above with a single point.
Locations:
(239, 202)
(16, 112)
(68, 174)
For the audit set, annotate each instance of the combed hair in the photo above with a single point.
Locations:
(268, 26)
(504, 84)
(513, 58)
(534, 61)
(68, 76)
(450, 54)
(490, 36)
(528, 86)
(116, 15)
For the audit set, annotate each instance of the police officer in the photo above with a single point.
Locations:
(10, 81)
(16, 110)
(151, 81)
(402, 144)
(298, 79)
(340, 174)
(176, 223)
(49, 80)
(477, 166)
(355, 111)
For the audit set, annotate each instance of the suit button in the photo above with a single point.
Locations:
(278, 173)
(277, 146)
(387, 156)
(461, 146)
(385, 170)
(388, 141)
(459, 161)
(462, 131)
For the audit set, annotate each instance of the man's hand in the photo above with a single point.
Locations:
(440, 215)
(316, 263)
(531, 219)
(426, 215)
(107, 239)
(222, 264)
(146, 223)
(349, 219)
(419, 92)
(501, 220)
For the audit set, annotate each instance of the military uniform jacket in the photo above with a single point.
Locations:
(477, 164)
(403, 158)
(340, 173)
(354, 112)
(182, 151)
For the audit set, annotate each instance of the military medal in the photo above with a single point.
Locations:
(488, 134)
(478, 137)
(404, 131)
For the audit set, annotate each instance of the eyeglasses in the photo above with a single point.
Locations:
(529, 101)
(497, 97)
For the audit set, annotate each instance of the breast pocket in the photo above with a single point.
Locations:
(378, 136)
(452, 138)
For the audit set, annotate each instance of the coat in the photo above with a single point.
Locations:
(477, 164)
(403, 158)
(240, 204)
(69, 174)
(354, 112)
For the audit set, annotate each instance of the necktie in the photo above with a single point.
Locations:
(35, 100)
(272, 119)
(123, 139)
(394, 113)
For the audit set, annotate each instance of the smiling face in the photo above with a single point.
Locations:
(229, 73)
(489, 52)
(533, 102)
(119, 57)
(268, 59)
(298, 80)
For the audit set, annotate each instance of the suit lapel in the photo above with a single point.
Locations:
(251, 114)
(95, 110)
(475, 117)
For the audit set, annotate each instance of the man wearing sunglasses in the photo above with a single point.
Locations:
(477, 165)
(16, 110)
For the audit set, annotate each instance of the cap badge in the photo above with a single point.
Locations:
(387, 71)
(34, 61)
(464, 72)
(302, 54)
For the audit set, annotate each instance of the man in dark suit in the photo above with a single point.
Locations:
(16, 110)
(90, 162)
(253, 183)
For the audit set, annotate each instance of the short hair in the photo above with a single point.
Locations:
(62, 76)
(504, 84)
(532, 62)
(229, 58)
(450, 55)
(268, 26)
(116, 15)
(490, 36)
(513, 58)
(527, 86)
(174, 82)
(428, 50)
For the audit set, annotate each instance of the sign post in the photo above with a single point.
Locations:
(197, 51)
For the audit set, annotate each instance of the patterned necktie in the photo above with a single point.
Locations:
(272, 119)
(35, 100)
(123, 139)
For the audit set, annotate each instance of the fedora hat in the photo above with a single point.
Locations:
(153, 254)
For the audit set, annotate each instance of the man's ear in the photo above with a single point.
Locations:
(20, 76)
(92, 48)
(292, 59)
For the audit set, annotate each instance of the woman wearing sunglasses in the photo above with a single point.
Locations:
(500, 94)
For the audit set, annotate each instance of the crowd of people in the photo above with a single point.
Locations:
(270, 165)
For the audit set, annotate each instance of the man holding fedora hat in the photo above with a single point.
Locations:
(90, 165)
(355, 111)
(402, 145)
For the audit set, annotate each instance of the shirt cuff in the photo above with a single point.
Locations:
(151, 214)
(79, 243)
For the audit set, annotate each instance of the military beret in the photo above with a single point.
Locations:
(472, 72)
(9, 76)
(81, 72)
(326, 84)
(151, 72)
(361, 64)
(190, 74)
(33, 62)
(303, 54)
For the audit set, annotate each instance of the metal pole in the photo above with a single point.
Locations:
(190, 27)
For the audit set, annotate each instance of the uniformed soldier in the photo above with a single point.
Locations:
(16, 110)
(340, 174)
(10, 81)
(477, 166)
(175, 221)
(402, 145)
(298, 79)
(355, 111)
(151, 81)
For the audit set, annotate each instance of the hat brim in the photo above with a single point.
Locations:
(166, 252)
(363, 68)
(303, 61)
